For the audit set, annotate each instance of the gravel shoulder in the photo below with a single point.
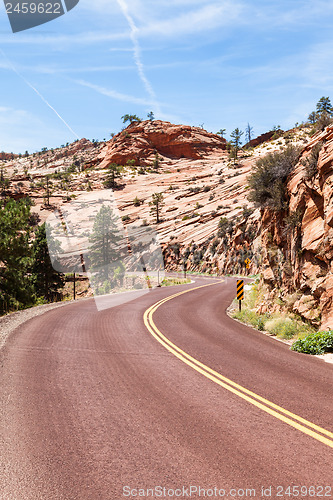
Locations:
(11, 321)
(327, 357)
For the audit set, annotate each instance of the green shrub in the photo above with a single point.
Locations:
(225, 226)
(268, 179)
(285, 328)
(260, 323)
(315, 343)
(175, 281)
(251, 318)
(311, 163)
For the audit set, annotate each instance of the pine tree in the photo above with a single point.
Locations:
(130, 118)
(312, 117)
(104, 252)
(46, 280)
(156, 163)
(115, 172)
(236, 141)
(4, 183)
(221, 132)
(156, 205)
(248, 133)
(47, 185)
(323, 114)
(324, 106)
(16, 289)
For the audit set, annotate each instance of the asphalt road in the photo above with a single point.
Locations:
(104, 405)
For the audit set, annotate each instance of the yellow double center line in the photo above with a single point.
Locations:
(299, 423)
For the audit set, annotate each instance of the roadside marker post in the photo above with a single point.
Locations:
(240, 293)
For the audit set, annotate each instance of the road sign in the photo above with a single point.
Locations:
(247, 262)
(240, 292)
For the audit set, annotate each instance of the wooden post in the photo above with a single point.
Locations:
(74, 287)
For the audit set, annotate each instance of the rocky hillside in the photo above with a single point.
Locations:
(7, 156)
(207, 222)
(142, 140)
(297, 262)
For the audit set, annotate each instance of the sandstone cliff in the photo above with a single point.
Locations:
(205, 225)
(142, 140)
(292, 250)
(297, 259)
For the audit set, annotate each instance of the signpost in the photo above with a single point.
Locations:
(247, 262)
(240, 292)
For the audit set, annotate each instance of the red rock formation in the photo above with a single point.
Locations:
(303, 252)
(261, 139)
(7, 156)
(141, 140)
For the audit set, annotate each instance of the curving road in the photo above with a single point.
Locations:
(170, 393)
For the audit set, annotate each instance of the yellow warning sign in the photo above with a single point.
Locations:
(240, 290)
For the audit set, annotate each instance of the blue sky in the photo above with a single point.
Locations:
(219, 63)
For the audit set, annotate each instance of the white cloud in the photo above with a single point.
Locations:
(114, 94)
(170, 18)
(206, 18)
(62, 41)
(137, 56)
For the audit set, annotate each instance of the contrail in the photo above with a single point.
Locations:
(39, 94)
(137, 55)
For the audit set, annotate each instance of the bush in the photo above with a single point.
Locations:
(285, 328)
(175, 281)
(225, 226)
(323, 121)
(268, 179)
(315, 343)
(251, 318)
(311, 163)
